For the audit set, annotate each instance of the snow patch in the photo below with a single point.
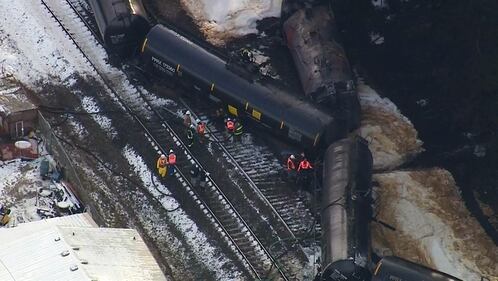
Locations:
(90, 106)
(221, 20)
(33, 47)
(392, 138)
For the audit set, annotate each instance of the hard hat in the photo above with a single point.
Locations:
(163, 156)
(229, 119)
(187, 113)
(292, 156)
(171, 151)
(198, 120)
(192, 126)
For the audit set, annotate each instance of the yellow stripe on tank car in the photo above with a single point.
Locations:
(377, 268)
(177, 68)
(281, 125)
(232, 110)
(316, 139)
(247, 104)
(212, 87)
(143, 45)
(256, 114)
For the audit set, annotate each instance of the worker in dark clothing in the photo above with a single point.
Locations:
(195, 175)
(238, 131)
(246, 55)
(204, 176)
(171, 162)
(190, 135)
(291, 167)
(201, 130)
(187, 119)
(304, 171)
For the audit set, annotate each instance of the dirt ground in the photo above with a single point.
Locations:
(433, 226)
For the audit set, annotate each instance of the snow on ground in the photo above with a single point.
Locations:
(392, 138)
(200, 244)
(433, 226)
(33, 47)
(19, 184)
(90, 106)
(224, 19)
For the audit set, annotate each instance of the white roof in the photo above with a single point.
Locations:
(33, 252)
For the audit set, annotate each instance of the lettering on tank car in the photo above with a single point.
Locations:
(117, 38)
(295, 135)
(162, 66)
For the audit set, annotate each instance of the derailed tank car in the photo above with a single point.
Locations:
(346, 211)
(122, 24)
(394, 268)
(172, 55)
(321, 62)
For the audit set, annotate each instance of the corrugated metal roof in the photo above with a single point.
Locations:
(112, 253)
(36, 256)
(32, 252)
(83, 219)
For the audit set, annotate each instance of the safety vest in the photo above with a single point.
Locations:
(190, 134)
(238, 129)
(201, 127)
(290, 164)
(230, 125)
(172, 159)
(162, 162)
(304, 165)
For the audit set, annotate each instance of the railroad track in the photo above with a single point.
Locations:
(263, 174)
(214, 203)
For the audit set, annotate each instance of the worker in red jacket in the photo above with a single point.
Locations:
(304, 171)
(230, 127)
(201, 130)
(171, 162)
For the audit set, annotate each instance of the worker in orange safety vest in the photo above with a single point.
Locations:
(162, 165)
(171, 162)
(304, 170)
(230, 127)
(201, 130)
(291, 167)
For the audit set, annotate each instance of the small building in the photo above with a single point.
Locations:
(74, 248)
(17, 113)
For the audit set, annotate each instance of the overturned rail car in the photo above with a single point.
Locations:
(321, 62)
(206, 75)
(346, 211)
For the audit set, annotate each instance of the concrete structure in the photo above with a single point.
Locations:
(73, 248)
(17, 113)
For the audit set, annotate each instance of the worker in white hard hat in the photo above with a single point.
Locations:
(201, 130)
(162, 165)
(291, 167)
(187, 119)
